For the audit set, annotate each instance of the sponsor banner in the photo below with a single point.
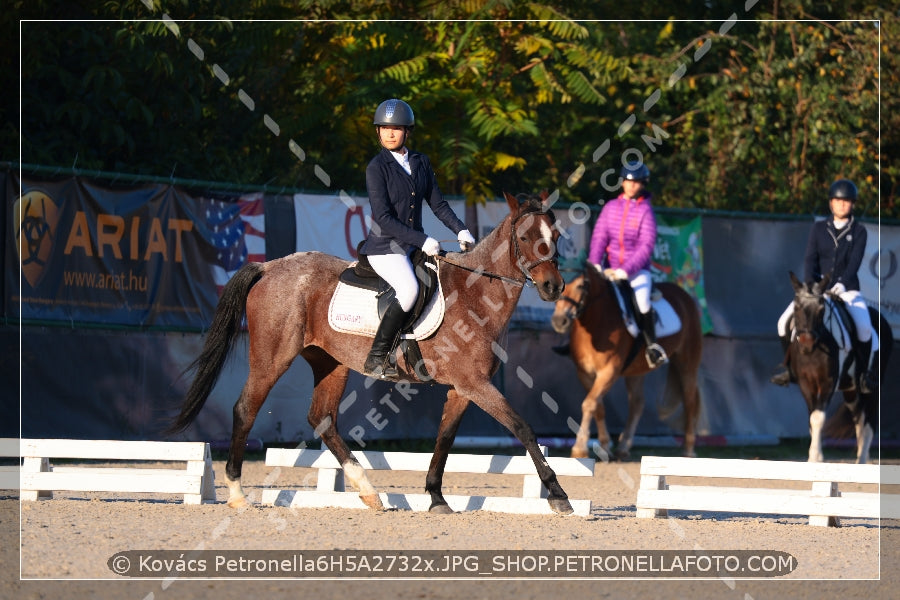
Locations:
(678, 257)
(879, 274)
(149, 256)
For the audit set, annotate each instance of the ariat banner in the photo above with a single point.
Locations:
(150, 256)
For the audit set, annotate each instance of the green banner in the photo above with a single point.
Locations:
(678, 257)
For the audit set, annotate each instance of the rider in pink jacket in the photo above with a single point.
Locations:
(622, 243)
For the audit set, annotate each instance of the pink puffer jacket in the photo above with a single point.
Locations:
(624, 235)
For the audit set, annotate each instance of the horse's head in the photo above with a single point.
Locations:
(809, 311)
(533, 248)
(570, 304)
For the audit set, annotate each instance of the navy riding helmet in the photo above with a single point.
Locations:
(843, 189)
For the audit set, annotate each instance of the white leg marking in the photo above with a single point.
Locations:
(357, 476)
(864, 435)
(816, 422)
(235, 493)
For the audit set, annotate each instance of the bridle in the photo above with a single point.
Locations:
(519, 259)
(818, 330)
(579, 305)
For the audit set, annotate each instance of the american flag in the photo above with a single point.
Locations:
(237, 231)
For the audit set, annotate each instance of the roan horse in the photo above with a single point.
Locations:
(286, 302)
(604, 350)
(817, 356)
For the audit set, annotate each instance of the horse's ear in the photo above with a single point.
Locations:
(511, 200)
(795, 282)
(548, 199)
(823, 284)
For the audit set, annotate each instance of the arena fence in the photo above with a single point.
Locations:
(330, 490)
(814, 492)
(37, 477)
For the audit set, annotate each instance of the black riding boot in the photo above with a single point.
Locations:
(655, 354)
(783, 376)
(378, 362)
(868, 372)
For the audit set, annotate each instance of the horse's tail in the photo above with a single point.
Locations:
(225, 328)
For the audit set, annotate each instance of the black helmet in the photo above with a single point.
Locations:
(844, 189)
(394, 112)
(636, 171)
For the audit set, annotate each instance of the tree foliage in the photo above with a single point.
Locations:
(759, 112)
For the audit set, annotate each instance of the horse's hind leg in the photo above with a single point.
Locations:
(682, 379)
(329, 382)
(859, 407)
(635, 391)
(453, 412)
(255, 391)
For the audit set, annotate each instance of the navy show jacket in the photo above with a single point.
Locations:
(396, 199)
(836, 251)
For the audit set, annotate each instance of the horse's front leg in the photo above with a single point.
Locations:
(635, 392)
(493, 403)
(329, 381)
(592, 407)
(453, 412)
(816, 423)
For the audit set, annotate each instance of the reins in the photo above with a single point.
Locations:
(528, 281)
(487, 274)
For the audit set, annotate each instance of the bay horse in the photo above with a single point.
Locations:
(286, 303)
(603, 351)
(818, 355)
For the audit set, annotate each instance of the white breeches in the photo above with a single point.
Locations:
(642, 285)
(397, 270)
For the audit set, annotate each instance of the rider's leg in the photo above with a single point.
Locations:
(397, 270)
(642, 284)
(783, 375)
(867, 345)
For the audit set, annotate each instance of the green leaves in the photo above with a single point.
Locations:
(507, 95)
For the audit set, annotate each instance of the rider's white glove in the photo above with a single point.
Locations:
(838, 289)
(466, 241)
(620, 274)
(431, 246)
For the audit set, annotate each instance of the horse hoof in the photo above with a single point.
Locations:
(561, 506)
(579, 453)
(238, 502)
(372, 501)
(441, 509)
(621, 456)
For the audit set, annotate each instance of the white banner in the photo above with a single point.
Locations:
(882, 255)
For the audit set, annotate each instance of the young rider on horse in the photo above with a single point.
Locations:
(625, 235)
(836, 245)
(398, 181)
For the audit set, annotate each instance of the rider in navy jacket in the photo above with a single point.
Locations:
(396, 200)
(399, 182)
(836, 251)
(836, 246)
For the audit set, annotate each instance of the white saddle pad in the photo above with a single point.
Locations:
(667, 323)
(355, 310)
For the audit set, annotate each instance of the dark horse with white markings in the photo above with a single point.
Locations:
(818, 357)
(603, 350)
(286, 302)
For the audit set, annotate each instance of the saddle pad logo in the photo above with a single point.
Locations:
(355, 310)
(36, 218)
